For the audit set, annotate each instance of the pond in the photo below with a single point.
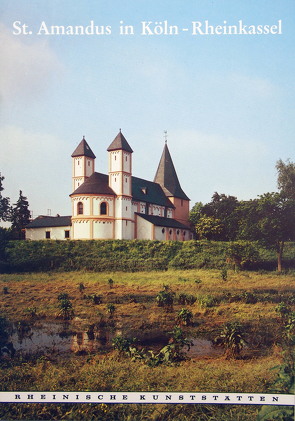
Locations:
(60, 338)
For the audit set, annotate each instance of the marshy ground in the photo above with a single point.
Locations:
(104, 305)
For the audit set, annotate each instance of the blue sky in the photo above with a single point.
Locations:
(226, 101)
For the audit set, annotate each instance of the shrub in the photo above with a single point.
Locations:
(31, 312)
(96, 299)
(232, 337)
(223, 274)
(283, 309)
(111, 309)
(186, 299)
(5, 290)
(165, 298)
(207, 301)
(66, 309)
(184, 317)
(123, 344)
(63, 296)
(81, 287)
(241, 254)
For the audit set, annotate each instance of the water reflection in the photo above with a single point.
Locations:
(59, 338)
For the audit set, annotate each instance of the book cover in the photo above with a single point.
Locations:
(141, 110)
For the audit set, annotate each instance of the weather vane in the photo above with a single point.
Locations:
(165, 136)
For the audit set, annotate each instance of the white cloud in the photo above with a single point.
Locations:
(26, 68)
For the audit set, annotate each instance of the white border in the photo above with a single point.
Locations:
(147, 398)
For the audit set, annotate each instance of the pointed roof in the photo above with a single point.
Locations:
(119, 143)
(166, 176)
(83, 149)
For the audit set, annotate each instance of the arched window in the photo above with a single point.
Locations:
(103, 208)
(80, 208)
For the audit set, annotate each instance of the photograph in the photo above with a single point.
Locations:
(147, 210)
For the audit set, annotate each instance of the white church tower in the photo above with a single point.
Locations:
(120, 181)
(83, 163)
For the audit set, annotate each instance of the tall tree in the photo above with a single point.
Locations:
(20, 215)
(208, 227)
(5, 209)
(223, 208)
(196, 213)
(270, 220)
(286, 178)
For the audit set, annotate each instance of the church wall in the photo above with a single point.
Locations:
(86, 205)
(124, 229)
(145, 230)
(81, 229)
(56, 233)
(103, 230)
(89, 169)
(115, 182)
(156, 210)
(78, 166)
(119, 160)
(115, 161)
(96, 202)
(127, 162)
(126, 182)
(181, 211)
(160, 233)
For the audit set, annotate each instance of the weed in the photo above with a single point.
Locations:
(184, 317)
(31, 312)
(96, 299)
(5, 290)
(223, 274)
(232, 337)
(66, 309)
(283, 309)
(63, 296)
(123, 344)
(111, 283)
(165, 298)
(81, 287)
(111, 309)
(181, 279)
(207, 301)
(186, 299)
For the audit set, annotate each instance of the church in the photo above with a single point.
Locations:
(118, 205)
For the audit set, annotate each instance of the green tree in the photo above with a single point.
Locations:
(270, 220)
(208, 227)
(223, 208)
(286, 178)
(20, 215)
(5, 209)
(196, 213)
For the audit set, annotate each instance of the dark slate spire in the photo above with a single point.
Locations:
(83, 149)
(119, 143)
(167, 178)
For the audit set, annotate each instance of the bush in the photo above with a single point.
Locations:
(186, 299)
(135, 255)
(207, 301)
(184, 317)
(165, 298)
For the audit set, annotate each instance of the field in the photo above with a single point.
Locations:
(132, 305)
